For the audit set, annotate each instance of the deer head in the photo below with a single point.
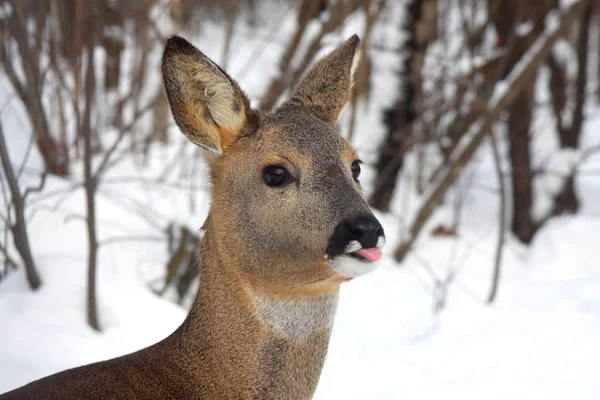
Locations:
(288, 211)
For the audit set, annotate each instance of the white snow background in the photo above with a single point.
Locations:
(540, 339)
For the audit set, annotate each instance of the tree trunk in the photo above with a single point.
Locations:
(566, 201)
(422, 25)
(519, 121)
(90, 181)
(520, 113)
(30, 91)
(19, 229)
(113, 20)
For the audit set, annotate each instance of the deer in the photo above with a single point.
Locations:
(287, 225)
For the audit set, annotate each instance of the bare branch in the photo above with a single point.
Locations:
(90, 179)
(107, 155)
(501, 99)
(19, 229)
(338, 12)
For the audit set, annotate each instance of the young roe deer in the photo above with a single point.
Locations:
(287, 225)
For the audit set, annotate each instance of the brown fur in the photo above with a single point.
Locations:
(261, 322)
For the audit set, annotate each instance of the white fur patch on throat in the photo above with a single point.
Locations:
(350, 267)
(299, 316)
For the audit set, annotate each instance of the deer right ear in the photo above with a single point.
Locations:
(208, 106)
(327, 86)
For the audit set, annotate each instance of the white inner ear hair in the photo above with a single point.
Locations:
(355, 63)
(221, 98)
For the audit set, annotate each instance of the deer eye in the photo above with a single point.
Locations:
(276, 175)
(355, 168)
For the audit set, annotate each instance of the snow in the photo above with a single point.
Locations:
(391, 339)
(565, 54)
(560, 164)
(524, 28)
(567, 3)
(5, 10)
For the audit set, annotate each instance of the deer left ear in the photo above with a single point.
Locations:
(208, 106)
(327, 86)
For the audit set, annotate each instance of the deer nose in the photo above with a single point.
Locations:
(363, 232)
(366, 231)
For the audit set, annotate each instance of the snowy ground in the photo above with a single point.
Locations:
(541, 339)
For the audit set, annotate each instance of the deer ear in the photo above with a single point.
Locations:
(327, 86)
(208, 106)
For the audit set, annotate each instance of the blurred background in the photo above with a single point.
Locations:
(479, 125)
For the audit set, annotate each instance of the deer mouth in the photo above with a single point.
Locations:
(356, 250)
(357, 260)
(367, 255)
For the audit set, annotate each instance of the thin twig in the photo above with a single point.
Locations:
(124, 130)
(19, 228)
(501, 225)
(477, 132)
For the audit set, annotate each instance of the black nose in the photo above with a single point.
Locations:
(366, 230)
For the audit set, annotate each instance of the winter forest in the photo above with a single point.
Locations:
(478, 123)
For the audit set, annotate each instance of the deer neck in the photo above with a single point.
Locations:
(248, 344)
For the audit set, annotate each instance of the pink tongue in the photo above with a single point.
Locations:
(372, 254)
